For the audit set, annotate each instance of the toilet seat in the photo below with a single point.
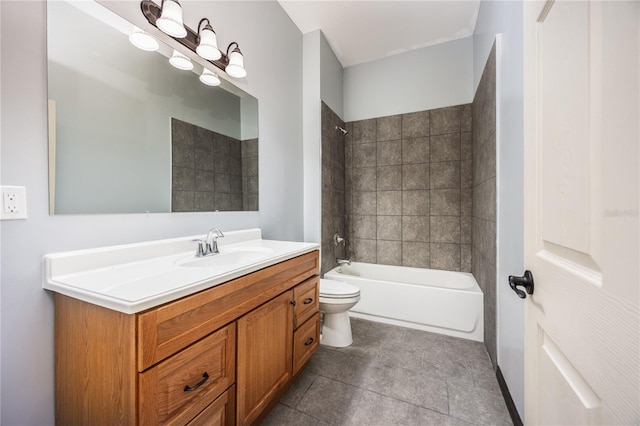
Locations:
(331, 289)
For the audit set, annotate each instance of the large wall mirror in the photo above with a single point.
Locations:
(129, 133)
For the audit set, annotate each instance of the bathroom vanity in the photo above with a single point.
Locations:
(222, 354)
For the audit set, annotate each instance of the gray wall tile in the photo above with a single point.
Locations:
(445, 175)
(389, 128)
(389, 153)
(389, 202)
(445, 147)
(389, 252)
(445, 202)
(445, 256)
(389, 228)
(415, 150)
(415, 228)
(445, 229)
(364, 155)
(415, 176)
(415, 124)
(415, 254)
(415, 202)
(389, 178)
(483, 205)
(364, 179)
(445, 120)
(364, 203)
(364, 131)
(183, 179)
(182, 201)
(423, 188)
(204, 202)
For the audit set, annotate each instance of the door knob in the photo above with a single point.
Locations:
(525, 281)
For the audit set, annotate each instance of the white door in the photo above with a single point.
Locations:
(581, 212)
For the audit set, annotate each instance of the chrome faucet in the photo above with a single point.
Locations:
(343, 261)
(212, 241)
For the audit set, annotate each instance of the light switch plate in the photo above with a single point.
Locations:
(14, 203)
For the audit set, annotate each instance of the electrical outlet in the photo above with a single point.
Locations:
(14, 203)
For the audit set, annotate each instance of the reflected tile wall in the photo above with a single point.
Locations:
(484, 197)
(211, 171)
(408, 191)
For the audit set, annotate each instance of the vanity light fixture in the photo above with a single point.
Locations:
(143, 40)
(170, 20)
(203, 42)
(235, 68)
(207, 42)
(209, 78)
(180, 61)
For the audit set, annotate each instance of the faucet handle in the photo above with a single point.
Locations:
(201, 247)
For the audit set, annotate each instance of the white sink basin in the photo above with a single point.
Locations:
(227, 258)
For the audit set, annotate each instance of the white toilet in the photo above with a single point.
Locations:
(336, 298)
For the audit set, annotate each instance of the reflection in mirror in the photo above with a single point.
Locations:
(129, 133)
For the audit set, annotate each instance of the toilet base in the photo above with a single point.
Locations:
(336, 330)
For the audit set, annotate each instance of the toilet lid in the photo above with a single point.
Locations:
(337, 289)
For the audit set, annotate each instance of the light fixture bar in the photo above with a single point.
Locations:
(152, 12)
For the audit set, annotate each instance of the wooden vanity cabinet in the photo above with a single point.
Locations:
(222, 356)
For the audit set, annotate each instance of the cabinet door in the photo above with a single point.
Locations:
(265, 342)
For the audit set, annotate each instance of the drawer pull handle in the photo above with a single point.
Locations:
(205, 377)
(308, 300)
(310, 341)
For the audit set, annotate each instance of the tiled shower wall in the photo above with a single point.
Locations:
(408, 189)
(484, 197)
(210, 170)
(333, 188)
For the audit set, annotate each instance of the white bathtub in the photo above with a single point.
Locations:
(442, 302)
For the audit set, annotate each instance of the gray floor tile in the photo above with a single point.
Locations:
(400, 357)
(329, 363)
(298, 388)
(477, 405)
(329, 400)
(424, 417)
(364, 346)
(281, 415)
(363, 373)
(373, 409)
(395, 376)
(421, 389)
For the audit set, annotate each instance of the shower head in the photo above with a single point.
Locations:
(340, 129)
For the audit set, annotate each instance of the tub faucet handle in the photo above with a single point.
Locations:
(337, 239)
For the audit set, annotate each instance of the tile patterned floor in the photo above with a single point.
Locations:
(394, 376)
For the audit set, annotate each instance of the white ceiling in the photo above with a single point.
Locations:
(363, 30)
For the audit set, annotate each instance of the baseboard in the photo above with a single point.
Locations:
(511, 406)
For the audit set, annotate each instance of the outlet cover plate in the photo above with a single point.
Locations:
(14, 203)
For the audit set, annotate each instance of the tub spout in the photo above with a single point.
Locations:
(343, 261)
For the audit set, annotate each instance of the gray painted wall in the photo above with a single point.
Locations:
(505, 18)
(26, 318)
(422, 79)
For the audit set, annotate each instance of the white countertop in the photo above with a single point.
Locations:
(135, 277)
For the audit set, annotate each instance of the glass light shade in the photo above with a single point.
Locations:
(143, 41)
(208, 45)
(236, 64)
(180, 61)
(209, 78)
(170, 20)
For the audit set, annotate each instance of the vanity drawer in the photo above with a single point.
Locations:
(220, 412)
(167, 329)
(306, 296)
(306, 340)
(179, 388)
